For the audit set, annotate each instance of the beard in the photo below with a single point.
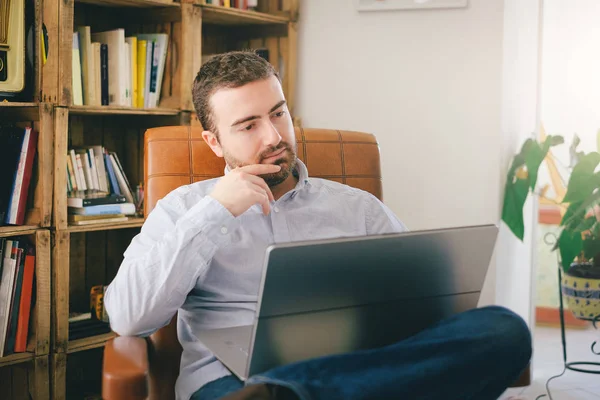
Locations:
(287, 162)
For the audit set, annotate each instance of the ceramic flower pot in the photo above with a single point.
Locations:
(581, 291)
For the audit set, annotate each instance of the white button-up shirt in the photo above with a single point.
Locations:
(194, 257)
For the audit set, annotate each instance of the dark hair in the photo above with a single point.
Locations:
(227, 70)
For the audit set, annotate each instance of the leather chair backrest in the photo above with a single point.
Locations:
(177, 155)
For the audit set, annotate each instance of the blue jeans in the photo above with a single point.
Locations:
(472, 355)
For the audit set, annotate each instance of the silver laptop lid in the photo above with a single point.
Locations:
(337, 294)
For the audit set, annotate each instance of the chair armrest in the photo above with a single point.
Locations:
(125, 369)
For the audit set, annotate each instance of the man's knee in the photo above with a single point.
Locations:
(506, 332)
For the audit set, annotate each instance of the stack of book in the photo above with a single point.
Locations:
(17, 152)
(98, 190)
(111, 69)
(17, 267)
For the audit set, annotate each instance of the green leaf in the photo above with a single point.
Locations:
(515, 194)
(584, 225)
(534, 156)
(574, 215)
(591, 247)
(570, 245)
(583, 181)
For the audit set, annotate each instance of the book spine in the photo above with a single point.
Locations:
(111, 175)
(75, 169)
(25, 305)
(6, 284)
(141, 73)
(15, 303)
(120, 179)
(149, 57)
(71, 174)
(120, 169)
(104, 73)
(93, 169)
(11, 215)
(81, 172)
(102, 177)
(30, 156)
(156, 56)
(125, 208)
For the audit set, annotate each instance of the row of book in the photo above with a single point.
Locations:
(111, 69)
(98, 190)
(17, 268)
(18, 147)
(240, 4)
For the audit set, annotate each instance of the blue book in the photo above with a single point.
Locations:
(111, 175)
(124, 208)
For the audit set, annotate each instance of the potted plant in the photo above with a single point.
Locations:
(579, 239)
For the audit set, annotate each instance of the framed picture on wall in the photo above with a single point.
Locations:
(385, 5)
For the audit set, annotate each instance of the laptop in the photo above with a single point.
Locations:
(333, 296)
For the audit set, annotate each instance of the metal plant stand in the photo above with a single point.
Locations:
(579, 366)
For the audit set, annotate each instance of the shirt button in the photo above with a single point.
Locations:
(223, 230)
(275, 209)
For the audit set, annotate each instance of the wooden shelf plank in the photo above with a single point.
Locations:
(91, 342)
(15, 111)
(131, 223)
(218, 15)
(131, 3)
(114, 110)
(12, 230)
(16, 359)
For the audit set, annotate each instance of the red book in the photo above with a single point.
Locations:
(28, 168)
(25, 305)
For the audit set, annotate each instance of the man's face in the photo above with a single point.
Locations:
(254, 127)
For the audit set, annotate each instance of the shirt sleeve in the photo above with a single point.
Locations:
(380, 219)
(164, 261)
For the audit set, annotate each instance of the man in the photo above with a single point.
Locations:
(201, 251)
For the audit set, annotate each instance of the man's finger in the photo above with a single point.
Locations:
(259, 169)
(263, 199)
(263, 185)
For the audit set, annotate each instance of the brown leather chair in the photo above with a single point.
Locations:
(136, 369)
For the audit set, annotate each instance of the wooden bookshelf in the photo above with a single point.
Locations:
(74, 258)
(88, 343)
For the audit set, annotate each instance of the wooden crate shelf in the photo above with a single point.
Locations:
(218, 15)
(112, 110)
(16, 358)
(19, 111)
(91, 342)
(11, 230)
(131, 3)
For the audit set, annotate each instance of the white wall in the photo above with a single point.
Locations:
(520, 120)
(570, 94)
(428, 84)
